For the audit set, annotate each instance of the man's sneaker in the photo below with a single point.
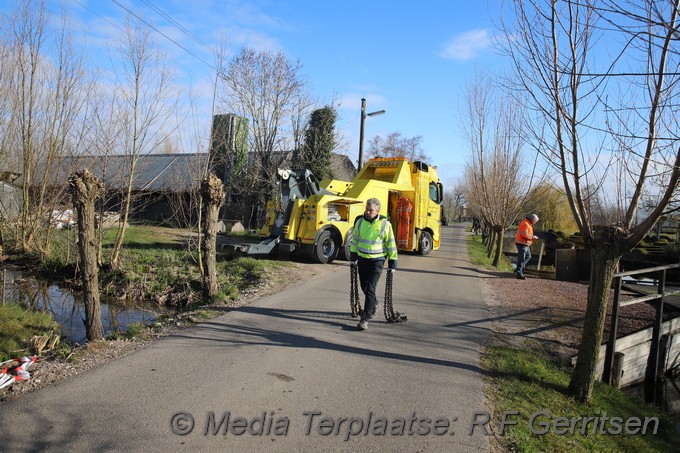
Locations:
(521, 277)
(363, 325)
(376, 310)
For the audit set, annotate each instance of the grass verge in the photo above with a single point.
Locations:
(477, 252)
(548, 419)
(18, 325)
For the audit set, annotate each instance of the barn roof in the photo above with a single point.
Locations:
(161, 172)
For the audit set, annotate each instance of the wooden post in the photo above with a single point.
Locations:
(664, 352)
(613, 331)
(212, 194)
(85, 190)
(540, 255)
(617, 369)
(652, 374)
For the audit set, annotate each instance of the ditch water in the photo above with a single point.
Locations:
(68, 310)
(669, 397)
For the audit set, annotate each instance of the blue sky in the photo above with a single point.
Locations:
(409, 58)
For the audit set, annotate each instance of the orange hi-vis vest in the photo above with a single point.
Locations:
(525, 233)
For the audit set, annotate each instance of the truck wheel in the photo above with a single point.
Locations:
(345, 248)
(325, 250)
(425, 246)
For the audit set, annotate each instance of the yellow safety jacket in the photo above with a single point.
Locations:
(373, 239)
(525, 233)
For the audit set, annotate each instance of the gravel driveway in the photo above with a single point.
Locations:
(551, 312)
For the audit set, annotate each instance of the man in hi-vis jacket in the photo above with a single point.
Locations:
(372, 242)
(523, 239)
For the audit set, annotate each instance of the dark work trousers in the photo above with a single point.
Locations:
(369, 275)
(523, 257)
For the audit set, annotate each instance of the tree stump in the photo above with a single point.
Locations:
(85, 190)
(213, 195)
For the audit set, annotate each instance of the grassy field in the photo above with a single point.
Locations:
(157, 262)
(158, 265)
(531, 389)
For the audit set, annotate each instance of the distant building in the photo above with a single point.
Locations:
(164, 186)
(162, 183)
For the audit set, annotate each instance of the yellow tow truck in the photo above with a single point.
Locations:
(317, 218)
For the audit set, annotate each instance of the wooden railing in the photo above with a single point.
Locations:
(610, 374)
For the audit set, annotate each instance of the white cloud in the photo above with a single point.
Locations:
(467, 44)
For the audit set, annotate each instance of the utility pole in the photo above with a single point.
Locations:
(361, 130)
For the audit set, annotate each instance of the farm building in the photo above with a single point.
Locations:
(164, 186)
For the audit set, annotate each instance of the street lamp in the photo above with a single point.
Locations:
(361, 130)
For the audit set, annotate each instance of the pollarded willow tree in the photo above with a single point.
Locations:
(498, 177)
(602, 79)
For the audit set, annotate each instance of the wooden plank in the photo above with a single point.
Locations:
(673, 357)
(636, 347)
(644, 335)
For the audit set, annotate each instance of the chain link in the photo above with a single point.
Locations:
(354, 293)
(390, 314)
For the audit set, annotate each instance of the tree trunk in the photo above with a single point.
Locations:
(212, 194)
(85, 190)
(120, 235)
(490, 242)
(499, 245)
(603, 262)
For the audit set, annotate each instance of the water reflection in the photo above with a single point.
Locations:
(668, 397)
(69, 312)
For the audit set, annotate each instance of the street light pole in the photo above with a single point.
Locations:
(361, 129)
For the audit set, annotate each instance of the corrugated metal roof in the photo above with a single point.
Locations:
(153, 172)
(159, 172)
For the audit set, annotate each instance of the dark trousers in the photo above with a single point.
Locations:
(523, 257)
(369, 275)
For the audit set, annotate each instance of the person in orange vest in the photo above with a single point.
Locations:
(523, 239)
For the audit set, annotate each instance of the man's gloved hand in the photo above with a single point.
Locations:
(391, 271)
(353, 264)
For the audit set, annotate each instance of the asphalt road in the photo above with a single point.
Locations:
(288, 373)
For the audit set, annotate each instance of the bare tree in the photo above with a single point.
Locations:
(497, 177)
(267, 88)
(396, 145)
(29, 25)
(148, 100)
(601, 78)
(42, 85)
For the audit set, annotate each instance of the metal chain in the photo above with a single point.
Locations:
(354, 293)
(390, 314)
